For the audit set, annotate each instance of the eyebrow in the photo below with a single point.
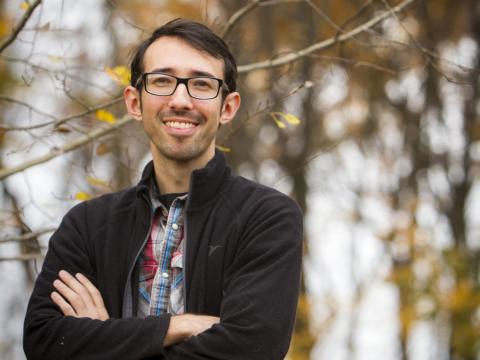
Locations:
(169, 70)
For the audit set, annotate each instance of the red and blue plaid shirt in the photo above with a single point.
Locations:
(161, 261)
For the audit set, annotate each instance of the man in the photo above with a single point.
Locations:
(192, 263)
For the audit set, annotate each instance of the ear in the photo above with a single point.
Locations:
(230, 107)
(133, 102)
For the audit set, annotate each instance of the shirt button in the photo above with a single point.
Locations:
(165, 275)
(175, 226)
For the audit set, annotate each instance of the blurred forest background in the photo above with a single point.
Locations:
(367, 112)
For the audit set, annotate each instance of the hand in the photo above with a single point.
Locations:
(184, 326)
(78, 297)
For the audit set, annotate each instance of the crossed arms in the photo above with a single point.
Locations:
(76, 296)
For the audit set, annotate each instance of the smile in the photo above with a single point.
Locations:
(179, 125)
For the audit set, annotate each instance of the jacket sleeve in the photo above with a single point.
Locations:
(50, 335)
(261, 290)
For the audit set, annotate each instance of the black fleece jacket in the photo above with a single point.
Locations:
(243, 262)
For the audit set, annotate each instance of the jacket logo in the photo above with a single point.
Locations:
(212, 248)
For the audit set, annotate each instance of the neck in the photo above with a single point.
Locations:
(173, 176)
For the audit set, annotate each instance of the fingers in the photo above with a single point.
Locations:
(95, 296)
(92, 290)
(76, 286)
(77, 296)
(73, 292)
(64, 306)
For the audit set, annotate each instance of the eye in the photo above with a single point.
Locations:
(161, 80)
(203, 83)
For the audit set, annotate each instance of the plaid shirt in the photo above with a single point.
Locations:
(161, 265)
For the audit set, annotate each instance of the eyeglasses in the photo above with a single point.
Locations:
(202, 87)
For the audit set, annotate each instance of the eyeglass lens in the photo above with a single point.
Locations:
(199, 87)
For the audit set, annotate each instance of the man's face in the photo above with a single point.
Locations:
(180, 127)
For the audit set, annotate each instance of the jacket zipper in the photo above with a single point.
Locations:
(185, 250)
(128, 286)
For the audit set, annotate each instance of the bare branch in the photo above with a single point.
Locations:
(23, 103)
(63, 73)
(28, 236)
(326, 43)
(359, 63)
(114, 6)
(237, 16)
(305, 85)
(23, 257)
(20, 25)
(276, 2)
(324, 16)
(75, 144)
(429, 54)
(359, 12)
(59, 122)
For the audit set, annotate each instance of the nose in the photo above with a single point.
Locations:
(180, 99)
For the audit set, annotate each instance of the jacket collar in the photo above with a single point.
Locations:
(205, 183)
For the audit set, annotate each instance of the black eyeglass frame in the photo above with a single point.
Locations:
(180, 80)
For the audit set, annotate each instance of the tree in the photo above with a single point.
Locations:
(374, 102)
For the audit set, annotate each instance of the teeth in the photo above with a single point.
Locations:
(179, 125)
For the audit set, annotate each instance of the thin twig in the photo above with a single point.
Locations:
(395, 16)
(359, 63)
(305, 85)
(27, 236)
(16, 30)
(237, 16)
(359, 12)
(30, 107)
(276, 2)
(429, 53)
(283, 60)
(59, 122)
(75, 144)
(422, 49)
(324, 16)
(113, 5)
(64, 73)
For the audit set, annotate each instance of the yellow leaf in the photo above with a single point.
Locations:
(82, 196)
(279, 123)
(223, 149)
(102, 149)
(96, 182)
(292, 119)
(107, 116)
(24, 6)
(120, 74)
(4, 27)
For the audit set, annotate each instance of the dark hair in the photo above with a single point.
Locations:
(196, 35)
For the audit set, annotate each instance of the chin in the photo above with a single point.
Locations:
(184, 154)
